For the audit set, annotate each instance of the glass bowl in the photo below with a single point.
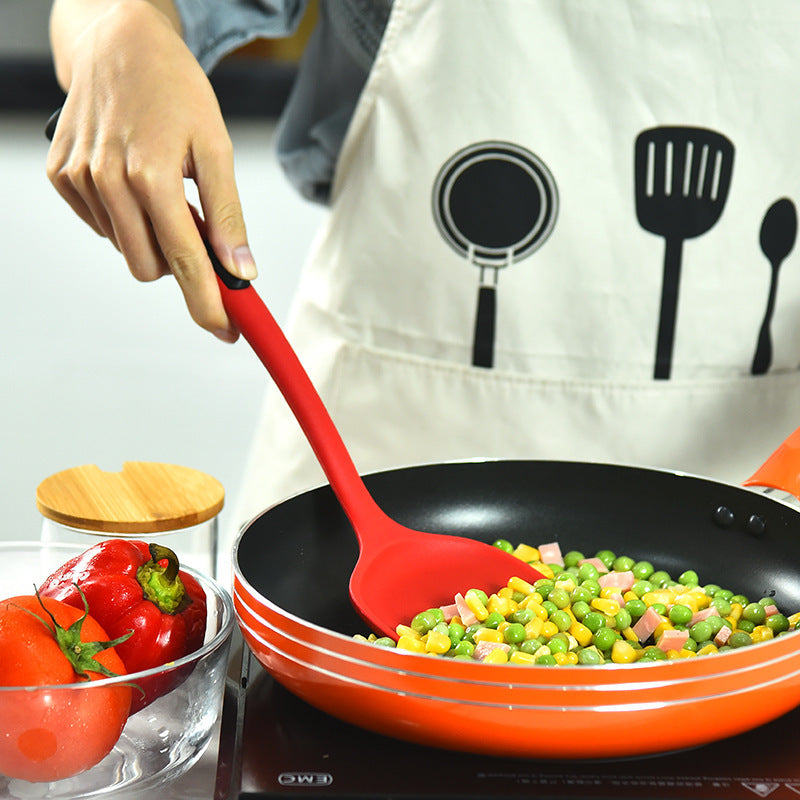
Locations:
(157, 744)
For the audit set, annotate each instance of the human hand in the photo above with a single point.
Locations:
(139, 118)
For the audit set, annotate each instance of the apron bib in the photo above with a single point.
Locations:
(552, 235)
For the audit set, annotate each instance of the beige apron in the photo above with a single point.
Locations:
(523, 187)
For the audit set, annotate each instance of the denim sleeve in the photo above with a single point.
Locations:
(213, 28)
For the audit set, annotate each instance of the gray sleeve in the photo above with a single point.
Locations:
(213, 28)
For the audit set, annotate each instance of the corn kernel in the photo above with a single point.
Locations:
(581, 633)
(566, 583)
(549, 629)
(794, 619)
(707, 650)
(414, 645)
(658, 596)
(519, 585)
(503, 626)
(518, 657)
(543, 568)
(533, 628)
(504, 606)
(686, 653)
(526, 553)
(488, 635)
(736, 612)
(475, 605)
(572, 658)
(498, 656)
(436, 642)
(761, 633)
(630, 595)
(405, 630)
(622, 652)
(544, 650)
(628, 634)
(537, 608)
(666, 625)
(608, 592)
(561, 659)
(689, 600)
(605, 606)
(506, 592)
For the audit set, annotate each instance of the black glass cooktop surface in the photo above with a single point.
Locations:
(280, 747)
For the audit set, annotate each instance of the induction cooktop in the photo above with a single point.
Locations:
(274, 745)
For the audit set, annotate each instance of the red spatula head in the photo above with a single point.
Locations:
(401, 572)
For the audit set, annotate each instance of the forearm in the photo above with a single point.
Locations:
(69, 19)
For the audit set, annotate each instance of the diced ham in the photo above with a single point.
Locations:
(464, 611)
(450, 611)
(646, 624)
(711, 611)
(771, 610)
(672, 640)
(620, 580)
(595, 562)
(723, 634)
(618, 597)
(482, 649)
(550, 553)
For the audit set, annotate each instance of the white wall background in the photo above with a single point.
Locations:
(23, 27)
(98, 368)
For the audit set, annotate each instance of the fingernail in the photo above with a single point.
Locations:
(226, 336)
(245, 263)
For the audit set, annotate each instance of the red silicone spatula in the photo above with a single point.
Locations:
(399, 571)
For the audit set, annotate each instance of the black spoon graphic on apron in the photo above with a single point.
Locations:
(682, 179)
(495, 203)
(777, 237)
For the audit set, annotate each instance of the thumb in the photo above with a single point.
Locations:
(224, 221)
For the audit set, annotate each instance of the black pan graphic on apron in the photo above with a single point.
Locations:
(682, 179)
(495, 203)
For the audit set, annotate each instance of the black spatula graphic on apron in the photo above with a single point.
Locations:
(495, 203)
(682, 179)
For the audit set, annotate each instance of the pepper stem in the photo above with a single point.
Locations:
(160, 579)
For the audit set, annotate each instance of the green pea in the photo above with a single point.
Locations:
(523, 616)
(642, 587)
(636, 607)
(622, 564)
(592, 586)
(545, 660)
(514, 633)
(622, 619)
(653, 654)
(701, 631)
(680, 614)
(725, 594)
(543, 586)
(604, 638)
(493, 620)
(572, 558)
(580, 594)
(722, 605)
(464, 648)
(716, 623)
(659, 608)
(530, 646)
(588, 572)
(606, 556)
(660, 578)
(740, 599)
(746, 625)
(581, 609)
(556, 645)
(426, 620)
(589, 656)
(690, 644)
(642, 570)
(767, 601)
(559, 598)
(754, 612)
(777, 623)
(739, 639)
(456, 632)
(518, 597)
(385, 641)
(471, 631)
(504, 544)
(689, 578)
(711, 589)
(549, 607)
(594, 620)
(561, 619)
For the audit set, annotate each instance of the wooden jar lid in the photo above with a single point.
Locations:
(143, 497)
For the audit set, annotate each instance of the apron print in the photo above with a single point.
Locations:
(682, 177)
(777, 238)
(495, 203)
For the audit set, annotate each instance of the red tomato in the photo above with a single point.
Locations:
(58, 731)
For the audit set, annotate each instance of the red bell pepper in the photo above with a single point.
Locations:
(131, 585)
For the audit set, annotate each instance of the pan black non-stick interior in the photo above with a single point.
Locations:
(299, 554)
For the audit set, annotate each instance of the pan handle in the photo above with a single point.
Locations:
(782, 469)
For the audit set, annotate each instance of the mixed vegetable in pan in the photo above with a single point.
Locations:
(591, 610)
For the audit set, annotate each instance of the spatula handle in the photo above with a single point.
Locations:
(262, 332)
(669, 308)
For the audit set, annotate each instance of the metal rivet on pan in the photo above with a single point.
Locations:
(723, 517)
(756, 525)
